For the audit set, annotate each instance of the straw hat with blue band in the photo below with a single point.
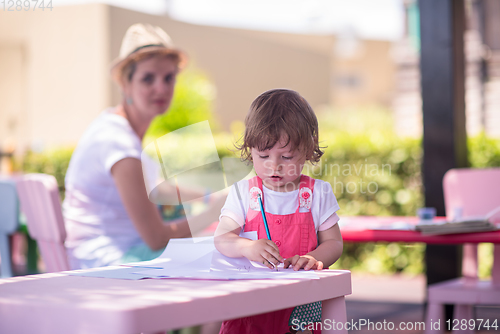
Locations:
(140, 40)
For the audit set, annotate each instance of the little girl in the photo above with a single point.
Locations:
(281, 134)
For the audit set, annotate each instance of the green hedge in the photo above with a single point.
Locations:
(192, 103)
(399, 193)
(53, 161)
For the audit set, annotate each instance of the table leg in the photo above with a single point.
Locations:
(334, 316)
(469, 260)
(463, 312)
(435, 320)
(495, 272)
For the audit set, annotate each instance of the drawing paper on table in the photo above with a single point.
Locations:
(185, 258)
(152, 264)
(179, 252)
(198, 268)
(242, 268)
(202, 260)
(221, 262)
(288, 273)
(188, 249)
(117, 272)
(188, 257)
(218, 266)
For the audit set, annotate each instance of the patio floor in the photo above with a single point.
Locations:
(397, 299)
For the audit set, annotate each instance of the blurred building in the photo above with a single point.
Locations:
(482, 71)
(54, 68)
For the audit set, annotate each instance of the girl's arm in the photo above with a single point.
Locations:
(328, 251)
(330, 246)
(128, 177)
(228, 242)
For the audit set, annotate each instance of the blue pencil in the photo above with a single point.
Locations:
(264, 217)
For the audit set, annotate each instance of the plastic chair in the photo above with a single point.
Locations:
(9, 224)
(40, 202)
(469, 192)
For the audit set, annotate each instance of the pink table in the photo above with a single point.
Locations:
(59, 303)
(388, 229)
(370, 228)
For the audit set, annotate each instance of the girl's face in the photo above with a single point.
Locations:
(152, 86)
(279, 167)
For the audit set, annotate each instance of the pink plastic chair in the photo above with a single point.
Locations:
(471, 192)
(40, 202)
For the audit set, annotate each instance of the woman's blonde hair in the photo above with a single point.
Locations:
(277, 114)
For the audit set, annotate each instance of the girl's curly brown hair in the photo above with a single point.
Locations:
(281, 113)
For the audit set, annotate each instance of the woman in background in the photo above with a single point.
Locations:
(109, 218)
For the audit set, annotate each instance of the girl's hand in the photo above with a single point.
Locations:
(263, 251)
(306, 261)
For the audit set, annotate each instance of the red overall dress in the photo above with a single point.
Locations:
(293, 234)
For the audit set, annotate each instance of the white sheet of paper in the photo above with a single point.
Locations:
(224, 267)
(196, 258)
(200, 259)
(157, 263)
(288, 273)
(183, 257)
(187, 257)
(187, 249)
(195, 269)
(179, 252)
(118, 272)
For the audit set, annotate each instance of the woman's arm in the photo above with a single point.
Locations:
(128, 177)
(166, 191)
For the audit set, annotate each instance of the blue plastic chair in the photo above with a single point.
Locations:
(9, 223)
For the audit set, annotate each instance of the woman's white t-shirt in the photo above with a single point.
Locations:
(98, 228)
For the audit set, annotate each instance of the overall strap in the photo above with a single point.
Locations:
(306, 188)
(256, 182)
(306, 181)
(254, 188)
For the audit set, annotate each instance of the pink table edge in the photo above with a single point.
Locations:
(368, 229)
(58, 303)
(377, 228)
